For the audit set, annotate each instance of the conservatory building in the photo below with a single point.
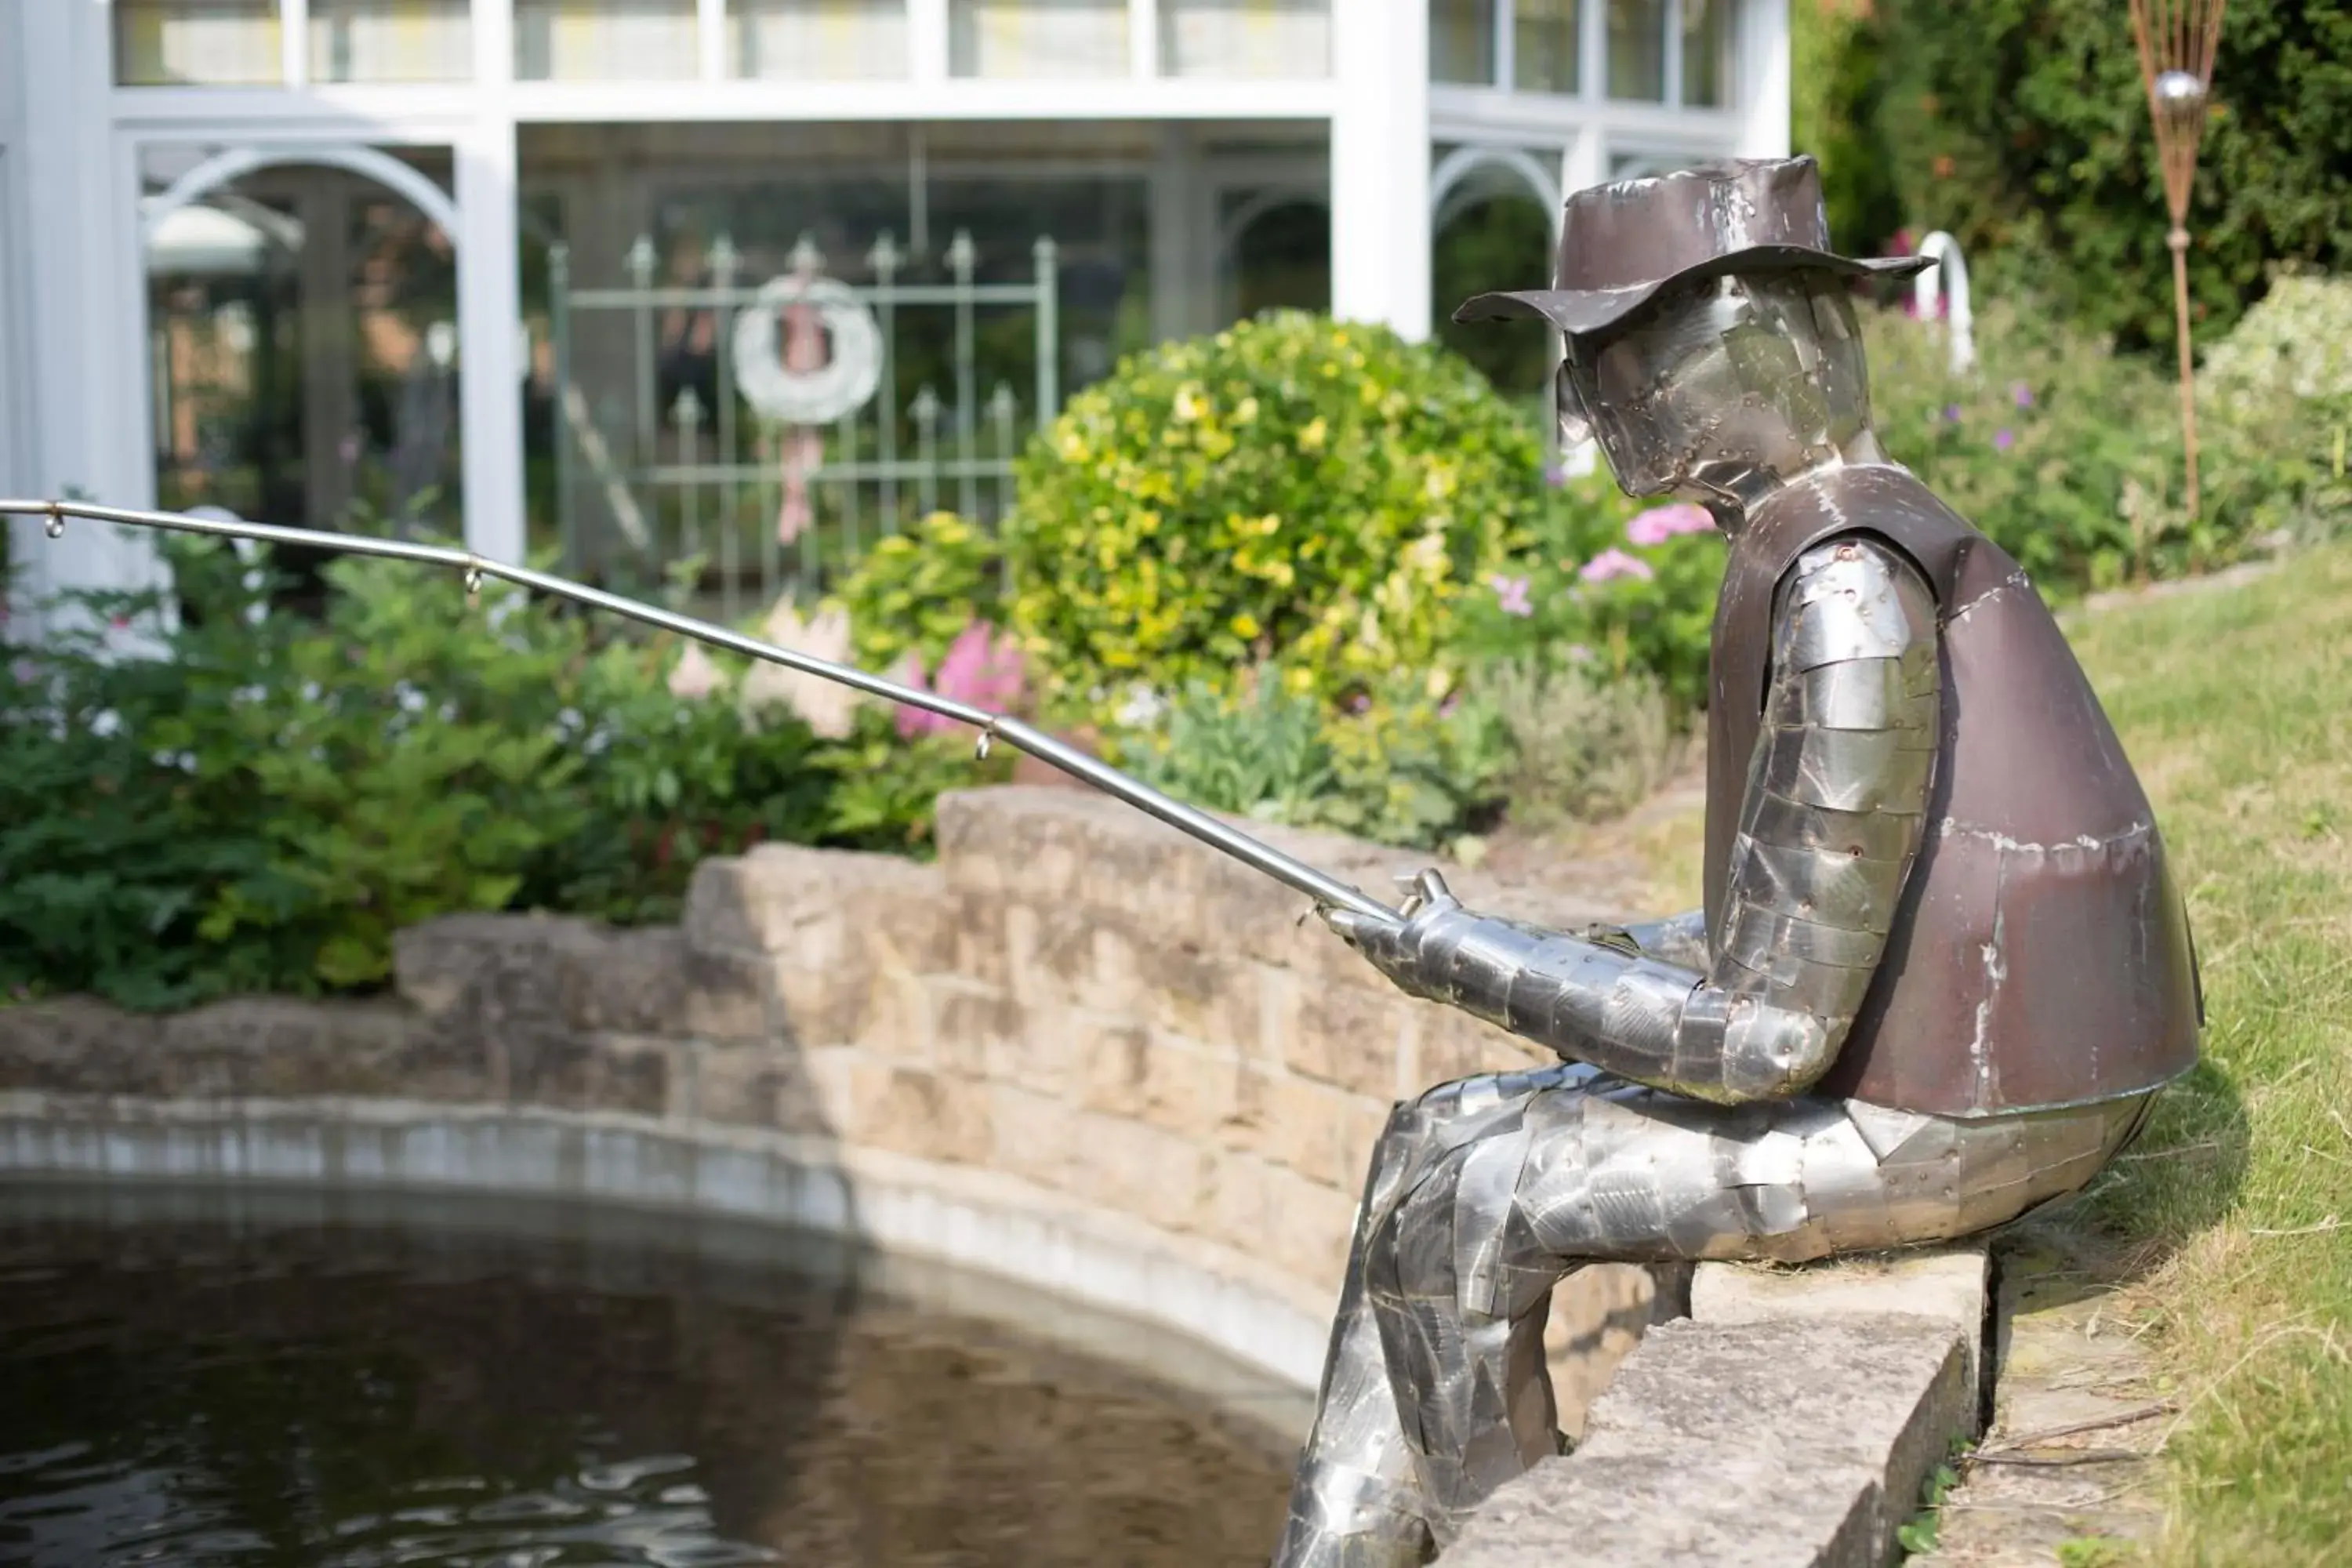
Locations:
(747, 283)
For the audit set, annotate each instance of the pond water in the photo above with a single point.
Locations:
(229, 1378)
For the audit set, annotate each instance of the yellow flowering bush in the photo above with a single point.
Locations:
(916, 593)
(1314, 494)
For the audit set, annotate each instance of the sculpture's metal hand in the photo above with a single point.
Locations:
(1328, 891)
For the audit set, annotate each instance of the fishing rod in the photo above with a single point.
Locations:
(1286, 870)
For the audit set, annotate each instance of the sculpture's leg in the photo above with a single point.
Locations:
(1359, 1501)
(1486, 1193)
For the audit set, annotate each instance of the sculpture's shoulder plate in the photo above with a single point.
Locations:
(1851, 599)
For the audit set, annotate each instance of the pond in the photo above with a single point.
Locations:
(237, 1378)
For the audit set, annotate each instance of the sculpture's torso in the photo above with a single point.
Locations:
(2041, 955)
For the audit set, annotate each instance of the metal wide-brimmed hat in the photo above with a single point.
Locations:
(1622, 244)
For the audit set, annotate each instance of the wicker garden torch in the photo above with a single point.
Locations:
(2177, 40)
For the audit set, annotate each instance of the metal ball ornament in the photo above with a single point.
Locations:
(2179, 95)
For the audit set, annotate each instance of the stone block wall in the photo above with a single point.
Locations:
(1082, 997)
(1072, 998)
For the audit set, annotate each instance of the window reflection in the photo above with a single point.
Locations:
(1544, 45)
(213, 43)
(1637, 50)
(1037, 38)
(1706, 46)
(1245, 39)
(391, 40)
(1462, 41)
(604, 40)
(817, 40)
(302, 335)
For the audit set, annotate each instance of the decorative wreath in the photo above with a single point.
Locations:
(849, 377)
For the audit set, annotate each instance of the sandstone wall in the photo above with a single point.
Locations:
(1073, 1005)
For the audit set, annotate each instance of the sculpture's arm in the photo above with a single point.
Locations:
(1836, 801)
(1679, 940)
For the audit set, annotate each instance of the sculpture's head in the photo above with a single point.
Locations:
(1711, 346)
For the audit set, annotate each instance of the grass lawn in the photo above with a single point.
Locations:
(2236, 707)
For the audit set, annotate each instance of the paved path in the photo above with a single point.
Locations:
(2078, 1414)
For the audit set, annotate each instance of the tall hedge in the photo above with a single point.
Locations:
(2023, 128)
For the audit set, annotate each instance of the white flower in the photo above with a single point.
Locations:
(1143, 708)
(826, 707)
(695, 676)
(309, 691)
(568, 721)
(247, 695)
(105, 723)
(410, 699)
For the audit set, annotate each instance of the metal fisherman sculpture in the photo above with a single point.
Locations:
(1942, 968)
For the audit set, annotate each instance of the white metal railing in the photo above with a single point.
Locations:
(1950, 277)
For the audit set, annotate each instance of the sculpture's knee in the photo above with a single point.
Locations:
(1409, 1250)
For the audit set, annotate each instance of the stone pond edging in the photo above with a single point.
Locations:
(1077, 1051)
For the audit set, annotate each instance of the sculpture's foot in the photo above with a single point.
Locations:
(1343, 1518)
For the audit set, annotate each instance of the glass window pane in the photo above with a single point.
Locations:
(1637, 50)
(1246, 37)
(1642, 165)
(604, 40)
(1462, 41)
(816, 40)
(1544, 45)
(1706, 48)
(1035, 38)
(391, 40)
(214, 43)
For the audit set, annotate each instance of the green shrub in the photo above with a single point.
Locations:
(1401, 765)
(263, 807)
(1599, 575)
(1584, 746)
(2067, 454)
(2275, 404)
(916, 593)
(2022, 127)
(1291, 487)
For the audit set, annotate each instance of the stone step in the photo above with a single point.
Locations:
(1789, 1423)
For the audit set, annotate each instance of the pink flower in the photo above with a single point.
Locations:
(1661, 523)
(983, 667)
(914, 721)
(2002, 440)
(2021, 393)
(1614, 563)
(1511, 594)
